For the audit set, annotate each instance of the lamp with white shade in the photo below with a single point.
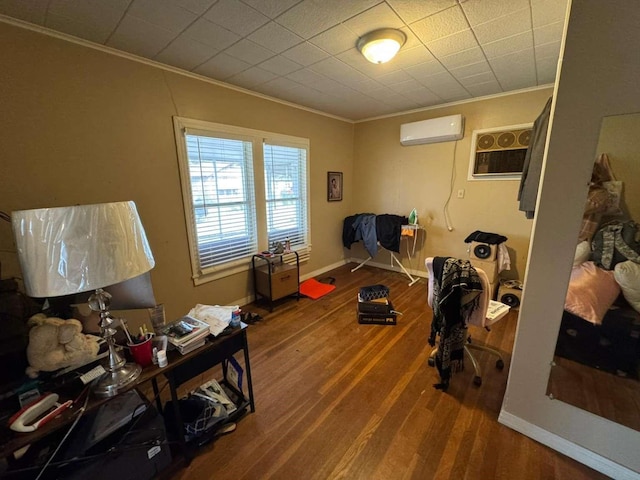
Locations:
(69, 250)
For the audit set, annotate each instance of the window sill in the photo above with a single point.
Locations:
(207, 277)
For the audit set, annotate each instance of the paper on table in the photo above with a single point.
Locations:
(218, 317)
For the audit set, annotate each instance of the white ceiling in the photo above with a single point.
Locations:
(303, 51)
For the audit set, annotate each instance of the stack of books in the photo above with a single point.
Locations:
(376, 311)
(376, 305)
(186, 333)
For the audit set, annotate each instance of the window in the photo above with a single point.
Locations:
(221, 176)
(228, 220)
(285, 173)
(499, 153)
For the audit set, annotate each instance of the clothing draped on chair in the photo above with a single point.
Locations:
(456, 295)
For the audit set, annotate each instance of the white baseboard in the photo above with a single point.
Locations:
(416, 273)
(324, 269)
(250, 298)
(570, 449)
(393, 268)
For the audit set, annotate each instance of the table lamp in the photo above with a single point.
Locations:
(69, 250)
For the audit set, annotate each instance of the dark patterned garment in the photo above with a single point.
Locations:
(456, 294)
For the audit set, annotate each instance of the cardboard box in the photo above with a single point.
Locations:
(489, 267)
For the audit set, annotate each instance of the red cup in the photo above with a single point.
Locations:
(142, 352)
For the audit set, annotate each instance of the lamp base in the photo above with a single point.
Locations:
(112, 382)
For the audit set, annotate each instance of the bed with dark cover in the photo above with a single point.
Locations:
(601, 320)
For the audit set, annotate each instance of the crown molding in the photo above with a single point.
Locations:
(130, 56)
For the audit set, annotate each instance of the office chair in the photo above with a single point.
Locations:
(477, 318)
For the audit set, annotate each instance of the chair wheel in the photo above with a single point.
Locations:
(431, 362)
(499, 364)
(477, 380)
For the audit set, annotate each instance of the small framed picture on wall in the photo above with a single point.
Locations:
(334, 186)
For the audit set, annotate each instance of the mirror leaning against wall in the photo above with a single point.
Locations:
(596, 366)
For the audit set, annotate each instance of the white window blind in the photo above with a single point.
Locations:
(222, 191)
(285, 174)
(234, 211)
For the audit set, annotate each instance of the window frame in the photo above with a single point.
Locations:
(258, 138)
(475, 136)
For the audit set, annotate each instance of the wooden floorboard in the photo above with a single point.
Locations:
(601, 393)
(339, 400)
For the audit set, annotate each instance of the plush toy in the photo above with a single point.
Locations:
(55, 343)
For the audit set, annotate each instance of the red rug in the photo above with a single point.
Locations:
(314, 289)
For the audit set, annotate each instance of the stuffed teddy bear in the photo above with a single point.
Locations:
(55, 343)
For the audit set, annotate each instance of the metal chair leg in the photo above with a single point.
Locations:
(477, 379)
(493, 351)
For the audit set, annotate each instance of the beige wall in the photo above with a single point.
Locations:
(82, 126)
(394, 179)
(619, 139)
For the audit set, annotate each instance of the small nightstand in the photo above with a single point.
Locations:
(274, 279)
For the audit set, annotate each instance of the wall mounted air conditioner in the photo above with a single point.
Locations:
(443, 129)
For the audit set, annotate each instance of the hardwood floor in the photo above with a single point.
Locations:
(336, 399)
(596, 391)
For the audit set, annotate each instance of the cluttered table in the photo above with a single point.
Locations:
(180, 369)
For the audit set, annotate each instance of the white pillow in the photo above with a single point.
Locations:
(583, 253)
(627, 274)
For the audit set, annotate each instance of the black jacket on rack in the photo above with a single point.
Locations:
(388, 230)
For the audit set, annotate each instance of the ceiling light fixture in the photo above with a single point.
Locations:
(380, 46)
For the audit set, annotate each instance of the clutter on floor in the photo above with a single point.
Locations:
(205, 412)
(314, 289)
(250, 318)
(374, 306)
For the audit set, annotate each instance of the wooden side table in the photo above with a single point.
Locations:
(274, 279)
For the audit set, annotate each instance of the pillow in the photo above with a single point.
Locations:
(591, 293)
(627, 274)
(583, 253)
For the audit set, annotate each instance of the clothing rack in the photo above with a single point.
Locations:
(412, 279)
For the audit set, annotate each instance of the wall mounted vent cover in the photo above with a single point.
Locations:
(507, 140)
(499, 152)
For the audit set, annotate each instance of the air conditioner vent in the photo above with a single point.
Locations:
(525, 137)
(504, 140)
(485, 142)
(443, 129)
(499, 152)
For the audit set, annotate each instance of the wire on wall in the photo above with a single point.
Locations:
(445, 210)
(173, 100)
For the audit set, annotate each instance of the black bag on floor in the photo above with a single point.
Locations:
(373, 292)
